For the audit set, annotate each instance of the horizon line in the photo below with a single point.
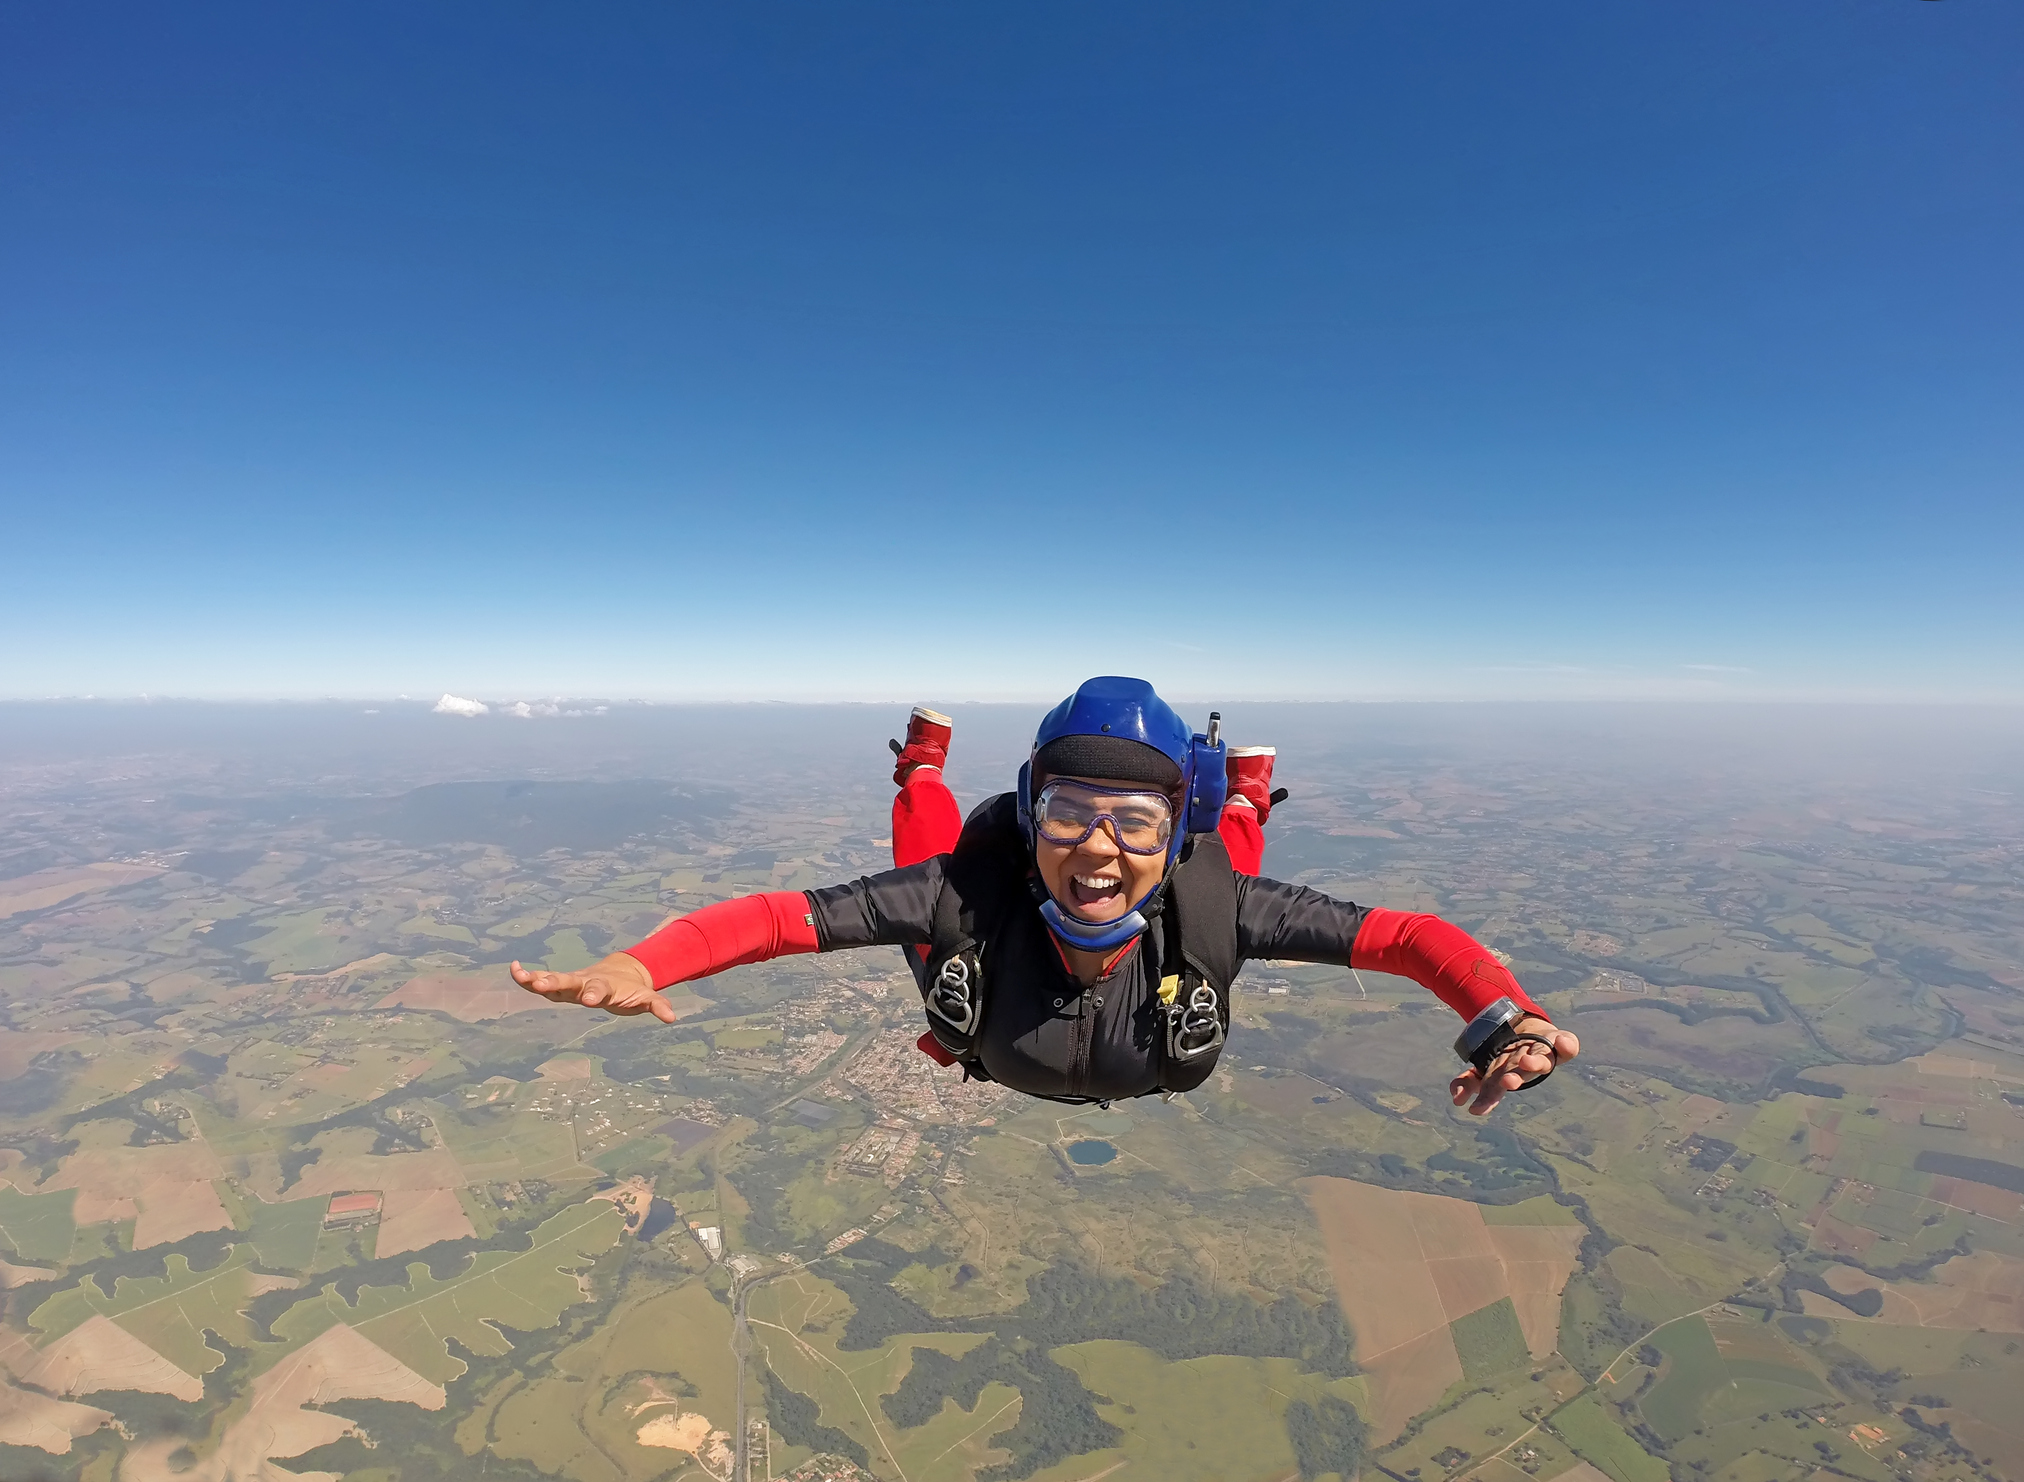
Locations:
(501, 708)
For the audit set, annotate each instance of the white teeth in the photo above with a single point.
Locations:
(1096, 882)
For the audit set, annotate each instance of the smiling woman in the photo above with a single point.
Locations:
(1100, 843)
(1077, 937)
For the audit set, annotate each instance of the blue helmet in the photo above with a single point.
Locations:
(1119, 728)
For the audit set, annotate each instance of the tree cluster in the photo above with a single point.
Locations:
(1179, 1319)
(798, 1420)
(1327, 1436)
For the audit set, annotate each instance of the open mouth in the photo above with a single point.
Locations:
(1094, 890)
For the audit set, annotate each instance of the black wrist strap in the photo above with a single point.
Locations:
(1544, 1043)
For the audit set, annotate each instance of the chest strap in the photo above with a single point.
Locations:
(1198, 916)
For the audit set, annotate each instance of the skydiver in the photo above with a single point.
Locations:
(1076, 938)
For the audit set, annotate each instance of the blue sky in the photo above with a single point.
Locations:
(928, 351)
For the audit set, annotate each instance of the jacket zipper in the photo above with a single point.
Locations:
(1084, 1035)
(1089, 1005)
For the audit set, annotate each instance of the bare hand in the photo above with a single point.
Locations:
(619, 985)
(1514, 1067)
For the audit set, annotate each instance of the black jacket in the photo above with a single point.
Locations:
(1043, 1032)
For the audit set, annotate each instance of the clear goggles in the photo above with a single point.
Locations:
(1067, 812)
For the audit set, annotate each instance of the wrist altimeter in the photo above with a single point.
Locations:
(1494, 1031)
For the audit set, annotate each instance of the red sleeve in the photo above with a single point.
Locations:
(731, 933)
(1440, 957)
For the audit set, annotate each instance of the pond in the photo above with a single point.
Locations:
(1090, 1152)
(661, 1215)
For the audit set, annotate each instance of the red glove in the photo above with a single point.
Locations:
(1440, 957)
(752, 928)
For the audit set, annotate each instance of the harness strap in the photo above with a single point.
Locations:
(951, 979)
(1199, 914)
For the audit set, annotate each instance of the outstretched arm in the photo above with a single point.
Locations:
(752, 928)
(1438, 955)
(894, 907)
(1292, 921)
(1462, 973)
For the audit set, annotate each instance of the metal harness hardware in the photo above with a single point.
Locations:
(1195, 1028)
(952, 996)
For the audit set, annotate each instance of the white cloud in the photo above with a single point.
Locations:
(457, 705)
(526, 711)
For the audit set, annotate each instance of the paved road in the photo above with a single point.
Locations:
(741, 1351)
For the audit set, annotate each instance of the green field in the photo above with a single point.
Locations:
(796, 1321)
(945, 1446)
(1490, 1341)
(957, 1441)
(1157, 1406)
(745, 1038)
(1744, 1371)
(285, 1234)
(541, 1422)
(496, 1143)
(585, 1409)
(168, 1312)
(1540, 1211)
(794, 1196)
(301, 941)
(686, 1331)
(1915, 1350)
(1600, 1441)
(1482, 1422)
(1745, 1399)
(634, 1155)
(1890, 1213)
(519, 926)
(527, 1289)
(567, 952)
(1751, 1444)
(1693, 1371)
(37, 1226)
(1585, 1338)
(428, 926)
(1247, 1397)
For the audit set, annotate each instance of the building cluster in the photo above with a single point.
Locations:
(886, 1148)
(602, 1113)
(352, 1211)
(706, 1112)
(807, 1038)
(902, 1081)
(1614, 980)
(827, 1469)
(803, 1053)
